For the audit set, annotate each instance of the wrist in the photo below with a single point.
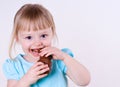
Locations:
(65, 57)
(24, 82)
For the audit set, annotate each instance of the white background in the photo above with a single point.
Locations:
(90, 28)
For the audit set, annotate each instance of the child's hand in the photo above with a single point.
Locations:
(55, 52)
(36, 72)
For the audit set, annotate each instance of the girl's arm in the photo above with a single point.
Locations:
(76, 71)
(15, 83)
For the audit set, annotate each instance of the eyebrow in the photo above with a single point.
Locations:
(25, 34)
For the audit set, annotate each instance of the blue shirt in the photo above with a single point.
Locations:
(16, 69)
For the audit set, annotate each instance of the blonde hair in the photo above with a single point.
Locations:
(30, 17)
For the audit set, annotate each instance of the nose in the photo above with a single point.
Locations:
(38, 42)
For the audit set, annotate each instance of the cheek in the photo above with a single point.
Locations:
(47, 43)
(25, 45)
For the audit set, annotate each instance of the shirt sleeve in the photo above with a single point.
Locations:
(61, 63)
(9, 69)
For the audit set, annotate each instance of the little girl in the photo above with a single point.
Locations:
(34, 29)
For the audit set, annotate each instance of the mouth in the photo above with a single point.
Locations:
(35, 52)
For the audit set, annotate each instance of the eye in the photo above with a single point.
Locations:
(43, 35)
(28, 37)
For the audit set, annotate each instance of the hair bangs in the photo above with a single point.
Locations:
(34, 24)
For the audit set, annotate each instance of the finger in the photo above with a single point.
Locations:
(41, 76)
(45, 51)
(45, 48)
(37, 64)
(43, 71)
(49, 54)
(41, 67)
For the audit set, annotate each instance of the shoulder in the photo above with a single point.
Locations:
(60, 63)
(13, 61)
(67, 51)
(10, 67)
(10, 62)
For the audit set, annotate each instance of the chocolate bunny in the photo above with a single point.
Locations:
(46, 60)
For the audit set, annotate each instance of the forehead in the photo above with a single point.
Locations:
(27, 25)
(41, 31)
